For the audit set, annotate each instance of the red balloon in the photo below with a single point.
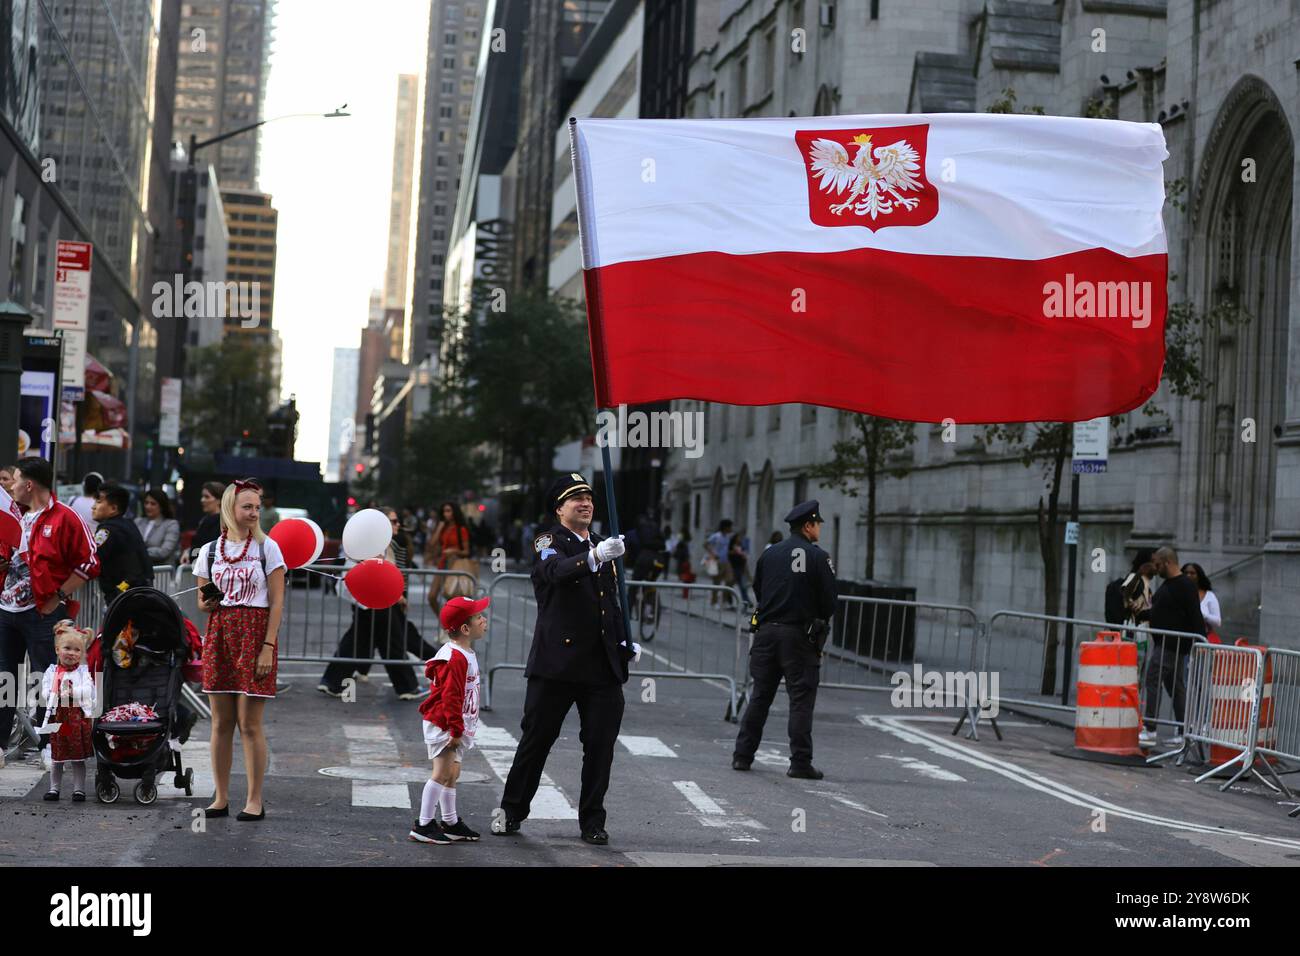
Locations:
(375, 583)
(296, 539)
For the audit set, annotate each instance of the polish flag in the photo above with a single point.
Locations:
(973, 267)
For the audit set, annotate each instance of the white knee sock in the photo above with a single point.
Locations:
(448, 804)
(429, 801)
(56, 776)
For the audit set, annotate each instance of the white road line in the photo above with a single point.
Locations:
(372, 745)
(18, 779)
(646, 746)
(196, 755)
(840, 798)
(712, 814)
(925, 769)
(698, 798)
(498, 748)
(1043, 784)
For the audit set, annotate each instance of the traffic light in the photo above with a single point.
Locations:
(360, 468)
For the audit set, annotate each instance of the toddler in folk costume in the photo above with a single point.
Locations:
(68, 695)
(450, 719)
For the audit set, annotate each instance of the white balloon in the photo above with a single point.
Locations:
(320, 540)
(367, 534)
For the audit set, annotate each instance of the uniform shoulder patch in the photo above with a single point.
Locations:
(541, 542)
(101, 535)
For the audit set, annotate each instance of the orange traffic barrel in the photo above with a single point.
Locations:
(1107, 718)
(1232, 690)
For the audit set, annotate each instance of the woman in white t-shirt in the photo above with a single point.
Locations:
(239, 648)
(1209, 600)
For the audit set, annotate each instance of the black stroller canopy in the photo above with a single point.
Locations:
(155, 617)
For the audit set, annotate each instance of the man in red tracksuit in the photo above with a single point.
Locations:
(55, 557)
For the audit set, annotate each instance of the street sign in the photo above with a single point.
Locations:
(169, 408)
(72, 310)
(1091, 446)
(1072, 532)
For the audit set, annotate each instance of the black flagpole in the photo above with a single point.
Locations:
(612, 504)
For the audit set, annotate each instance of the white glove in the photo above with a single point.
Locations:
(610, 548)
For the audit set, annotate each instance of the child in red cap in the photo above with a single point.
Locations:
(450, 719)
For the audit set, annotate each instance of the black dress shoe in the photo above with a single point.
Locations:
(805, 773)
(507, 828)
(211, 813)
(738, 763)
(244, 815)
(596, 837)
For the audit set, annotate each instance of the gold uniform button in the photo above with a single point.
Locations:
(568, 641)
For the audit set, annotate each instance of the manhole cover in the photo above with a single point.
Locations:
(394, 774)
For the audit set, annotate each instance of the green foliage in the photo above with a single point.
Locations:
(233, 390)
(1008, 104)
(866, 455)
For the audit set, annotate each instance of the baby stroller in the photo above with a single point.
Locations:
(141, 750)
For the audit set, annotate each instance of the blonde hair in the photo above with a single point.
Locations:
(229, 521)
(67, 631)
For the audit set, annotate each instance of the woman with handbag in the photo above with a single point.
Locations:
(451, 552)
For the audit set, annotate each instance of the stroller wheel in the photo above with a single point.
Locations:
(108, 792)
(145, 793)
(188, 783)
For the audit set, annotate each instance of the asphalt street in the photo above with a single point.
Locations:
(899, 790)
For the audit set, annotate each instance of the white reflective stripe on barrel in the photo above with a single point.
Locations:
(1126, 716)
(1108, 675)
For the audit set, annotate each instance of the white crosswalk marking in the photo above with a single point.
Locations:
(372, 745)
(840, 798)
(646, 746)
(195, 755)
(498, 748)
(712, 814)
(925, 769)
(18, 779)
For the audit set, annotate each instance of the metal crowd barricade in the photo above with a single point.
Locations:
(896, 646)
(692, 638)
(1017, 650)
(1223, 708)
(319, 624)
(1283, 741)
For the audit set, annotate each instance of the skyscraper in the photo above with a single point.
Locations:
(224, 53)
(455, 31)
(405, 141)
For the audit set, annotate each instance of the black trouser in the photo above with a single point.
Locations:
(1166, 664)
(600, 713)
(781, 650)
(414, 642)
(27, 634)
(384, 631)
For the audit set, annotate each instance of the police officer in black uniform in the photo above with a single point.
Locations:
(579, 656)
(123, 559)
(794, 585)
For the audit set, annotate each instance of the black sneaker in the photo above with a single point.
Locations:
(459, 831)
(504, 826)
(327, 689)
(740, 763)
(805, 773)
(430, 832)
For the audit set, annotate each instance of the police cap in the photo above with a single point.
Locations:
(804, 512)
(566, 486)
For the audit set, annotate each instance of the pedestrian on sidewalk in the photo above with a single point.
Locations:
(54, 558)
(124, 562)
(240, 652)
(209, 526)
(738, 555)
(579, 656)
(84, 503)
(795, 588)
(450, 715)
(68, 695)
(1209, 601)
(159, 527)
(716, 563)
(1175, 606)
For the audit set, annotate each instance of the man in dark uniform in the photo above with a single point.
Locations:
(794, 585)
(579, 656)
(123, 559)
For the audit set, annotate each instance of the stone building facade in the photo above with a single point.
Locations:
(961, 525)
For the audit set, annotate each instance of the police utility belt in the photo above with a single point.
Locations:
(815, 631)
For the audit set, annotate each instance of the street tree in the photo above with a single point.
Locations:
(232, 395)
(864, 459)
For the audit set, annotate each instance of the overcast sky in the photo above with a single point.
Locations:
(330, 180)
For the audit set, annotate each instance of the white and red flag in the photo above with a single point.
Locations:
(978, 267)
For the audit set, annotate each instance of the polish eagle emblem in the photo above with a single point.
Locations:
(878, 176)
(868, 177)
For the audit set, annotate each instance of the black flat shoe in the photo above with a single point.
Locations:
(52, 796)
(211, 813)
(596, 837)
(244, 815)
(805, 773)
(78, 796)
(738, 764)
